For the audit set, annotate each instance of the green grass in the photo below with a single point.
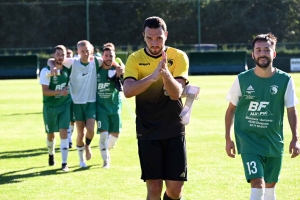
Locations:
(24, 173)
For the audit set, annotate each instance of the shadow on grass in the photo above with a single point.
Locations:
(20, 175)
(14, 114)
(27, 153)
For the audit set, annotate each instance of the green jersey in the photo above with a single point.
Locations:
(258, 122)
(55, 83)
(108, 97)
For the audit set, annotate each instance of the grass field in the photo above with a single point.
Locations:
(25, 174)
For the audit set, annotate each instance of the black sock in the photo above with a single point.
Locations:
(168, 198)
(87, 141)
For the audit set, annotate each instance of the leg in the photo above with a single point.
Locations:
(270, 193)
(112, 140)
(174, 189)
(70, 133)
(103, 145)
(64, 148)
(50, 141)
(154, 189)
(90, 125)
(79, 142)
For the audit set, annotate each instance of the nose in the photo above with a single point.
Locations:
(154, 43)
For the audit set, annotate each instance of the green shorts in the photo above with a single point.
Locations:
(56, 117)
(82, 112)
(110, 123)
(256, 166)
(72, 117)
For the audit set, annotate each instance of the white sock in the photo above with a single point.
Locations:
(50, 146)
(270, 194)
(70, 132)
(257, 193)
(112, 140)
(103, 145)
(64, 149)
(80, 151)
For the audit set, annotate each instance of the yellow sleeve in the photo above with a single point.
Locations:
(131, 68)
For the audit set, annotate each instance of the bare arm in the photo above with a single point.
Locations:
(174, 87)
(48, 92)
(294, 144)
(230, 146)
(132, 88)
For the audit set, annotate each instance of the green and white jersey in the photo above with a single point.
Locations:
(108, 97)
(83, 81)
(55, 83)
(258, 121)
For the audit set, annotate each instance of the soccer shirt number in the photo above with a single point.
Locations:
(251, 167)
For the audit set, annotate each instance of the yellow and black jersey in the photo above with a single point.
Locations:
(157, 116)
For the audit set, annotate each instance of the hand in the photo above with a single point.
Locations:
(64, 91)
(120, 70)
(164, 65)
(230, 148)
(294, 148)
(54, 71)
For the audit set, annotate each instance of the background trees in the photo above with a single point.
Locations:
(44, 23)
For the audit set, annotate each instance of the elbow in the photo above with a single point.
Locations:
(127, 93)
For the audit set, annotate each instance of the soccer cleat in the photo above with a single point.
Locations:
(65, 167)
(51, 161)
(82, 164)
(88, 152)
(106, 165)
(70, 145)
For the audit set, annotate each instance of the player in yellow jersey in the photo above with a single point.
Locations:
(150, 73)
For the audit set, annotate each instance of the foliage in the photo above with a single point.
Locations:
(44, 23)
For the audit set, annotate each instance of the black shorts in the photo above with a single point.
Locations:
(163, 159)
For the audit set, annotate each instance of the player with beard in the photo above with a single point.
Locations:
(109, 102)
(257, 101)
(160, 133)
(56, 106)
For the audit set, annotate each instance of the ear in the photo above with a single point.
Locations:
(274, 54)
(252, 55)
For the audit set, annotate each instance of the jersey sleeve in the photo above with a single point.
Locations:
(234, 93)
(182, 66)
(44, 76)
(290, 98)
(131, 68)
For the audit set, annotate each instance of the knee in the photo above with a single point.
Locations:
(175, 193)
(257, 183)
(154, 188)
(174, 189)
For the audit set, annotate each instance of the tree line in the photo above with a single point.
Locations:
(44, 23)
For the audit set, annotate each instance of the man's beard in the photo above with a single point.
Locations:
(58, 62)
(265, 65)
(154, 52)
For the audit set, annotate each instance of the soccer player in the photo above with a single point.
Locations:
(109, 102)
(83, 85)
(56, 106)
(71, 126)
(160, 132)
(256, 105)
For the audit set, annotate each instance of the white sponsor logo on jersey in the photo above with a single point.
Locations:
(257, 108)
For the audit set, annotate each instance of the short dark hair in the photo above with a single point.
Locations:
(61, 47)
(154, 22)
(269, 37)
(109, 46)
